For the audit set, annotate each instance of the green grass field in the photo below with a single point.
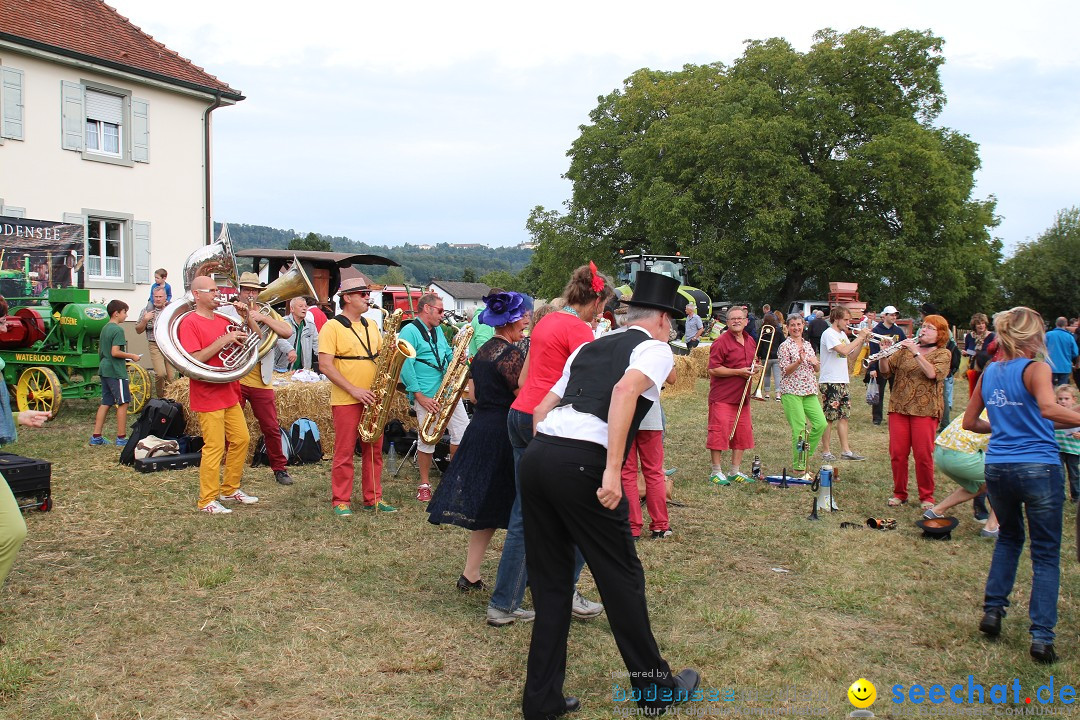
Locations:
(125, 603)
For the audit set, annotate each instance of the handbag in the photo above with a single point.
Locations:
(873, 393)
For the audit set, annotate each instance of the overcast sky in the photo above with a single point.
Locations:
(435, 122)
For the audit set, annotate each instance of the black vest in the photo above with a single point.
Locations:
(596, 370)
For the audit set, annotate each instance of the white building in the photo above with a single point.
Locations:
(103, 126)
(464, 297)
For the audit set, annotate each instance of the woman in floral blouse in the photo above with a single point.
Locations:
(916, 403)
(799, 391)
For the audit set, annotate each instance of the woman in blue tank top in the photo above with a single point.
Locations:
(1023, 473)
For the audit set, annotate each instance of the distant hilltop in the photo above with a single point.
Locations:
(420, 263)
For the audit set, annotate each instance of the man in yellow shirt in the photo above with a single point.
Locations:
(348, 352)
(255, 387)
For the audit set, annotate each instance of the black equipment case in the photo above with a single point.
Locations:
(168, 462)
(30, 480)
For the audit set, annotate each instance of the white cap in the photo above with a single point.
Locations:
(889, 309)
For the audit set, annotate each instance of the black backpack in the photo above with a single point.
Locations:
(260, 457)
(161, 418)
(304, 437)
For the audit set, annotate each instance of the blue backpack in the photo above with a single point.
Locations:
(304, 437)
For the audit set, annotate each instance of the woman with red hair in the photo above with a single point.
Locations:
(917, 401)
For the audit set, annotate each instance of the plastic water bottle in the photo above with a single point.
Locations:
(393, 453)
(755, 468)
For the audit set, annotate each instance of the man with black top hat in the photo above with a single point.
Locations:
(571, 489)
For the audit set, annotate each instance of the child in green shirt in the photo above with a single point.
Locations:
(115, 389)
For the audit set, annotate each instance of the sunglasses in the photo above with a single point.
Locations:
(212, 290)
(437, 311)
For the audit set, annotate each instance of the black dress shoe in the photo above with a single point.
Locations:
(1043, 652)
(688, 679)
(991, 622)
(571, 704)
(465, 586)
(283, 477)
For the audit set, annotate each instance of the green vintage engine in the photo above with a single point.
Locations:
(50, 351)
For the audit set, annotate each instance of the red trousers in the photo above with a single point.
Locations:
(649, 447)
(346, 426)
(914, 435)
(265, 410)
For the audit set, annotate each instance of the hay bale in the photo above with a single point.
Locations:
(294, 400)
(685, 377)
(700, 358)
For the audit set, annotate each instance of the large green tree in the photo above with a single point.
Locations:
(782, 172)
(1045, 274)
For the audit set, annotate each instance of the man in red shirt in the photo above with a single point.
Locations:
(731, 360)
(203, 334)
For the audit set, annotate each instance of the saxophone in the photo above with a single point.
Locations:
(393, 355)
(449, 392)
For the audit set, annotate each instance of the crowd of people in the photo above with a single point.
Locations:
(565, 412)
(1020, 430)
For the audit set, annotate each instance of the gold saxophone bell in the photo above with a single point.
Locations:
(393, 355)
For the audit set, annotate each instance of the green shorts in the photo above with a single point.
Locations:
(965, 469)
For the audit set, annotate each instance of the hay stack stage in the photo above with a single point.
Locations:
(294, 400)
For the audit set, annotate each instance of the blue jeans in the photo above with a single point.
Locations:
(948, 396)
(1072, 470)
(511, 578)
(1059, 378)
(1037, 490)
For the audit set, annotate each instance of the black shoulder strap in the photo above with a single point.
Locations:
(346, 322)
(423, 330)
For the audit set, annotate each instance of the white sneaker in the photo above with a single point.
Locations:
(584, 609)
(498, 618)
(241, 497)
(215, 508)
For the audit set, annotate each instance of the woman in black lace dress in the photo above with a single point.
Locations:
(477, 489)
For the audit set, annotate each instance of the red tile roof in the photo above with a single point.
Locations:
(90, 29)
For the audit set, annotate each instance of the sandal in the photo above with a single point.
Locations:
(928, 505)
(897, 502)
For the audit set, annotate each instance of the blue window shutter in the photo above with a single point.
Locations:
(12, 87)
(140, 131)
(73, 120)
(141, 248)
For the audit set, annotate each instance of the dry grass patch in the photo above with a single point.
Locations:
(126, 603)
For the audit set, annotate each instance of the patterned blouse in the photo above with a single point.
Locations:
(913, 393)
(955, 437)
(804, 380)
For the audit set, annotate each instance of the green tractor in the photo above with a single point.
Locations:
(50, 351)
(676, 266)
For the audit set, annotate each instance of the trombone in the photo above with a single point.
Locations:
(767, 335)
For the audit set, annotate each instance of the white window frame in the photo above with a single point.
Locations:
(122, 152)
(99, 135)
(97, 229)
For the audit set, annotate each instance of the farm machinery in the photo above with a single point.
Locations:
(676, 266)
(50, 351)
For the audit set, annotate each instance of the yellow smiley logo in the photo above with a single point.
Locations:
(862, 693)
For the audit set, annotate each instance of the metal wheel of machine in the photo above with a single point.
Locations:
(38, 389)
(139, 384)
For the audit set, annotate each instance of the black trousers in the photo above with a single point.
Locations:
(559, 479)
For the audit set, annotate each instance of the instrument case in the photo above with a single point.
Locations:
(30, 480)
(168, 462)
